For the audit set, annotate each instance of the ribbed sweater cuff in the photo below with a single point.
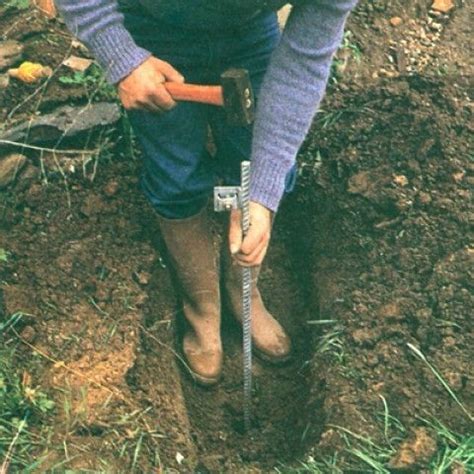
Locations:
(117, 52)
(267, 183)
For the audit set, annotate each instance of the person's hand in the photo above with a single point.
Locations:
(251, 251)
(143, 88)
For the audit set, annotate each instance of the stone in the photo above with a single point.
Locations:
(63, 123)
(142, 278)
(415, 452)
(396, 21)
(400, 180)
(443, 6)
(11, 53)
(77, 63)
(4, 81)
(10, 166)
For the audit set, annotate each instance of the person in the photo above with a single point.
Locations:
(143, 43)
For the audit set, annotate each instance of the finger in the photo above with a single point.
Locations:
(235, 232)
(154, 109)
(151, 107)
(255, 235)
(170, 73)
(256, 259)
(251, 258)
(161, 98)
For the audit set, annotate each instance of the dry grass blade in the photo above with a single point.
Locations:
(8, 456)
(48, 150)
(443, 382)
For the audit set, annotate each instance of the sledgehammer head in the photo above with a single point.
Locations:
(238, 97)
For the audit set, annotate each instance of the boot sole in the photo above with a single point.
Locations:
(203, 381)
(276, 361)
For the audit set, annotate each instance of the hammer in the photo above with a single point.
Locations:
(235, 95)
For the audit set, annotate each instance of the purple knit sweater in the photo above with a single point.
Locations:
(292, 89)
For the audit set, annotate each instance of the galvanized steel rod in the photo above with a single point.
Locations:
(246, 298)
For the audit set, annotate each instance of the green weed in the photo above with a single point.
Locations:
(441, 380)
(363, 454)
(3, 255)
(18, 4)
(332, 343)
(23, 408)
(348, 51)
(93, 81)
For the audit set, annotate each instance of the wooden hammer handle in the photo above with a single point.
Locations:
(195, 93)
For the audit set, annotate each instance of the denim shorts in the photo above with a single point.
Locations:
(178, 171)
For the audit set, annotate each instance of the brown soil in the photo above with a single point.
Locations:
(376, 239)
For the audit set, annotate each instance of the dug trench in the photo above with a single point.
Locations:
(370, 253)
(99, 309)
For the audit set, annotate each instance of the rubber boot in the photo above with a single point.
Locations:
(192, 253)
(270, 341)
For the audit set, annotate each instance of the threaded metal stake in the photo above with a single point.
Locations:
(246, 299)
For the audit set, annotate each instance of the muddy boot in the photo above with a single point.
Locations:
(192, 253)
(270, 341)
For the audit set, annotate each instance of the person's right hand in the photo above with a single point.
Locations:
(143, 88)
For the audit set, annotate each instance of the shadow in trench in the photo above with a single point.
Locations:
(283, 422)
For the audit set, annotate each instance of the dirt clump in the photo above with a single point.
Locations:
(415, 452)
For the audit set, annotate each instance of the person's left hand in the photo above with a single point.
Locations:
(252, 250)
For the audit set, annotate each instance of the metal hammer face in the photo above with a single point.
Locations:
(239, 103)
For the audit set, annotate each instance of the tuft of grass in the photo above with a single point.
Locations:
(363, 454)
(332, 343)
(348, 51)
(23, 408)
(94, 82)
(18, 4)
(3, 255)
(455, 450)
(443, 382)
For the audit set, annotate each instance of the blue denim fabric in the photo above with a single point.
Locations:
(178, 172)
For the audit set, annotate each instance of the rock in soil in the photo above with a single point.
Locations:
(11, 53)
(10, 166)
(443, 6)
(4, 81)
(396, 21)
(64, 122)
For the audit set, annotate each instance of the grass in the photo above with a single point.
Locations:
(363, 454)
(332, 343)
(93, 81)
(3, 256)
(18, 4)
(29, 432)
(439, 377)
(24, 408)
(348, 51)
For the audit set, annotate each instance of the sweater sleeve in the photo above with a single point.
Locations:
(293, 87)
(99, 25)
